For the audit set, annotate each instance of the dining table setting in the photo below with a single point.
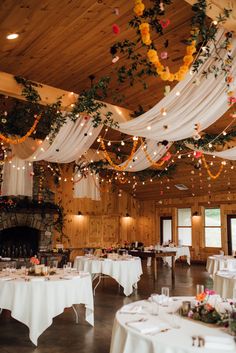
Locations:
(163, 324)
(125, 269)
(220, 262)
(35, 299)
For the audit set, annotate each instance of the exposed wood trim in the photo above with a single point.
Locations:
(49, 95)
(216, 7)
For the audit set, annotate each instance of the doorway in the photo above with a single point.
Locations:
(231, 233)
(166, 230)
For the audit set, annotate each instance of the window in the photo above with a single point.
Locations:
(212, 228)
(184, 226)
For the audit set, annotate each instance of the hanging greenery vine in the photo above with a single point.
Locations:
(150, 19)
(22, 114)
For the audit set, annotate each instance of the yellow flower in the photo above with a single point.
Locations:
(190, 50)
(152, 55)
(188, 59)
(146, 39)
(139, 8)
(172, 77)
(165, 75)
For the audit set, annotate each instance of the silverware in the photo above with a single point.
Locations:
(134, 321)
(194, 339)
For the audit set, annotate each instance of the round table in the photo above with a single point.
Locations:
(126, 271)
(35, 301)
(219, 262)
(126, 339)
(225, 283)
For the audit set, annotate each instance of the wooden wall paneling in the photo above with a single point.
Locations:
(94, 231)
(110, 229)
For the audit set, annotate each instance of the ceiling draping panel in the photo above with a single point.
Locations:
(140, 161)
(87, 187)
(72, 141)
(17, 178)
(202, 103)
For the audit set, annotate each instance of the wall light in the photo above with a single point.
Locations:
(12, 36)
(195, 214)
(80, 214)
(127, 215)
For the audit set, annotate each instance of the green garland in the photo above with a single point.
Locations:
(21, 116)
(202, 32)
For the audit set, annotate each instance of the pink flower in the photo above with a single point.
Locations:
(210, 291)
(164, 55)
(164, 23)
(115, 28)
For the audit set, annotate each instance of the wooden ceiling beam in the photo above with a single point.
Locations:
(49, 95)
(216, 7)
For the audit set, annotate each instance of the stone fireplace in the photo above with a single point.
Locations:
(24, 233)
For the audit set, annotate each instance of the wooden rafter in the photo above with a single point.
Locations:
(49, 95)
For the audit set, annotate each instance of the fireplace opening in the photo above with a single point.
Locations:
(17, 242)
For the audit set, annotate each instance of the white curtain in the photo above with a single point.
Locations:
(17, 178)
(87, 187)
(197, 104)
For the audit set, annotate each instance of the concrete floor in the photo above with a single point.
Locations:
(65, 336)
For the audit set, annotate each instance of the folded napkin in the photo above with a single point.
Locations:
(37, 279)
(6, 278)
(146, 327)
(219, 343)
(131, 309)
(160, 299)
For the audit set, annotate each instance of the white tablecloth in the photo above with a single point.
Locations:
(224, 283)
(126, 272)
(126, 339)
(219, 262)
(180, 251)
(36, 302)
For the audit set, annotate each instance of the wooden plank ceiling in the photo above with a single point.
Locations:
(61, 43)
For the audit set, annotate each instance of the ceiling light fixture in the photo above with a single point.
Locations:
(12, 36)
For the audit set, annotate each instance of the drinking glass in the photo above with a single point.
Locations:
(69, 265)
(165, 291)
(155, 305)
(234, 295)
(65, 269)
(199, 289)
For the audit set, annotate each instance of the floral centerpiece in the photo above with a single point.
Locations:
(34, 260)
(212, 309)
(205, 308)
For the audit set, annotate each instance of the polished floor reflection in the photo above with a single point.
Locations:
(65, 336)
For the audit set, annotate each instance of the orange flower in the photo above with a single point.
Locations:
(200, 297)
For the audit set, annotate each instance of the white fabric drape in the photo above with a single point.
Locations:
(226, 154)
(197, 104)
(71, 142)
(140, 161)
(87, 187)
(17, 178)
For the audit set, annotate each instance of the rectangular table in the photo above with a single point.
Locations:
(156, 255)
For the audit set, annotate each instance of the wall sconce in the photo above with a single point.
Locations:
(127, 215)
(80, 214)
(195, 214)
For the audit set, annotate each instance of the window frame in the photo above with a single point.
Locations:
(185, 227)
(212, 227)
